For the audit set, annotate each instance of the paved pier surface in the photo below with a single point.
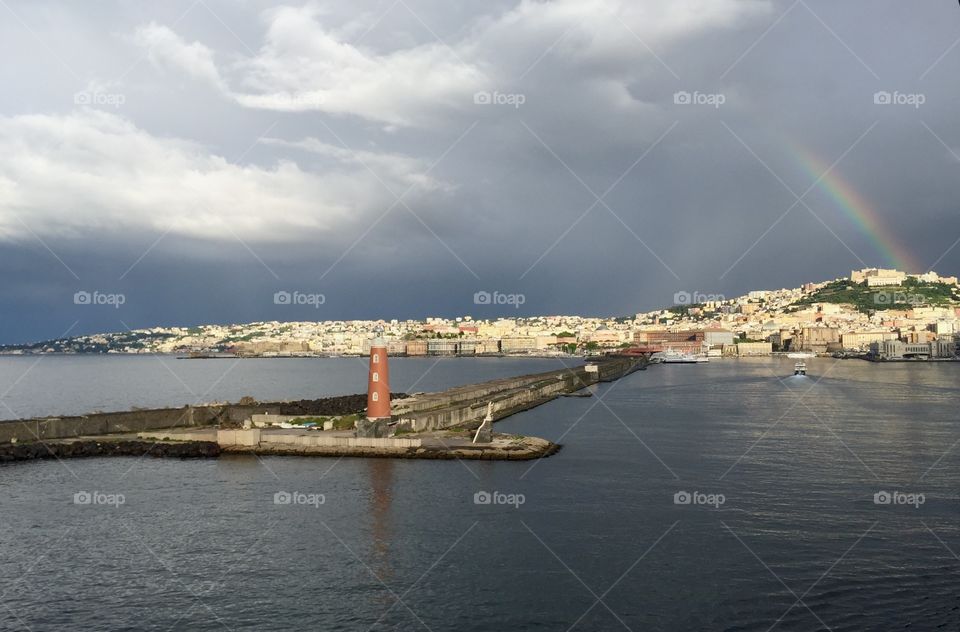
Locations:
(468, 405)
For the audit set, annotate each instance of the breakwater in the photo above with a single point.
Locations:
(468, 405)
(206, 415)
(119, 447)
(429, 426)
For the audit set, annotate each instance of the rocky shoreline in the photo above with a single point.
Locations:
(527, 449)
(13, 452)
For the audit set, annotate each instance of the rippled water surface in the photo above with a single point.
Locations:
(793, 540)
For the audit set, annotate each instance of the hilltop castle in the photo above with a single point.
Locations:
(878, 277)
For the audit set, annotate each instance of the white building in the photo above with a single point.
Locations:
(878, 277)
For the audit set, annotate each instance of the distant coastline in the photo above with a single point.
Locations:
(889, 314)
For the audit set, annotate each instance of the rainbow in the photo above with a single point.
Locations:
(859, 210)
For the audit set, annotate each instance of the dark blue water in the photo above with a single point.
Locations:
(598, 543)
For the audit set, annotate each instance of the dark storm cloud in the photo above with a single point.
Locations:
(197, 161)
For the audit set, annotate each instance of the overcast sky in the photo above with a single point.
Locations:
(596, 156)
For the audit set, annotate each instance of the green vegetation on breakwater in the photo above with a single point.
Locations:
(344, 422)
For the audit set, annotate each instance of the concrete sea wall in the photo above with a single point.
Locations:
(468, 405)
(49, 428)
(255, 437)
(122, 422)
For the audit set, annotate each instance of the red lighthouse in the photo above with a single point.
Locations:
(378, 380)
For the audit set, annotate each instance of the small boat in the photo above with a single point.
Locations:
(800, 368)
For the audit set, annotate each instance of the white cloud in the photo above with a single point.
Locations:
(301, 57)
(167, 49)
(303, 66)
(609, 24)
(306, 65)
(94, 174)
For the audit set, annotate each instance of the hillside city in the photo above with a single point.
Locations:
(883, 314)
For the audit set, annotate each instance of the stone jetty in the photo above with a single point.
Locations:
(423, 426)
